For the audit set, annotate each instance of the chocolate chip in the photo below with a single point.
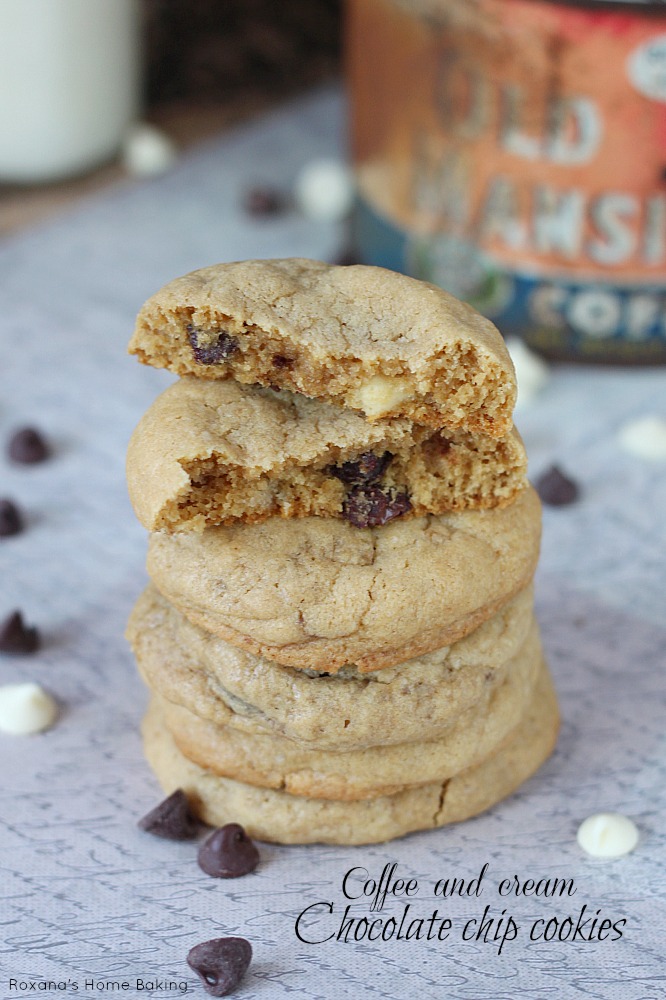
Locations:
(556, 489)
(16, 636)
(212, 354)
(171, 819)
(347, 257)
(280, 361)
(264, 201)
(366, 469)
(371, 506)
(220, 963)
(228, 853)
(11, 522)
(27, 446)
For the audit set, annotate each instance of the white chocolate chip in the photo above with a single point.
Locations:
(381, 394)
(324, 190)
(147, 151)
(531, 372)
(645, 437)
(607, 835)
(26, 708)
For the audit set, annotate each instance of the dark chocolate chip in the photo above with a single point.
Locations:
(16, 636)
(11, 522)
(371, 506)
(280, 361)
(265, 201)
(228, 853)
(213, 353)
(347, 257)
(556, 489)
(171, 819)
(220, 963)
(366, 469)
(27, 446)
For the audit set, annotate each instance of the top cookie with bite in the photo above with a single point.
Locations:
(379, 342)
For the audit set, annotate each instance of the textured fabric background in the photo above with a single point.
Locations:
(86, 895)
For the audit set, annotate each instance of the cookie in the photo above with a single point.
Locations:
(370, 339)
(209, 453)
(418, 700)
(291, 819)
(276, 762)
(318, 593)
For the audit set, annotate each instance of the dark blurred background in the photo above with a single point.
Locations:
(244, 52)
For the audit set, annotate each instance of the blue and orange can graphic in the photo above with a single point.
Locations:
(514, 152)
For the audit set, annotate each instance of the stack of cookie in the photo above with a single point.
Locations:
(339, 634)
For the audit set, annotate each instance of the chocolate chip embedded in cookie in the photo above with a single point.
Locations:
(209, 351)
(209, 453)
(371, 339)
(373, 505)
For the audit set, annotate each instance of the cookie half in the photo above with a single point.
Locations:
(231, 687)
(291, 819)
(317, 593)
(275, 762)
(209, 453)
(376, 341)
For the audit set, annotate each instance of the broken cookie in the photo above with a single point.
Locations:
(210, 453)
(366, 338)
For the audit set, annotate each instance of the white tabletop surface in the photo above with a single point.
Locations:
(87, 898)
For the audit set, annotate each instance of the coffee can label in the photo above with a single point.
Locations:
(514, 152)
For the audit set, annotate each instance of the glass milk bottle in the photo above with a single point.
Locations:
(69, 84)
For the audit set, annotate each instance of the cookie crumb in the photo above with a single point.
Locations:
(16, 637)
(556, 489)
(220, 963)
(26, 708)
(607, 835)
(228, 853)
(171, 818)
(27, 446)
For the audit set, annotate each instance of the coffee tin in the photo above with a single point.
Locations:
(514, 152)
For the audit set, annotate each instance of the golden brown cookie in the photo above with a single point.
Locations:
(318, 593)
(209, 453)
(275, 762)
(292, 819)
(417, 700)
(370, 339)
